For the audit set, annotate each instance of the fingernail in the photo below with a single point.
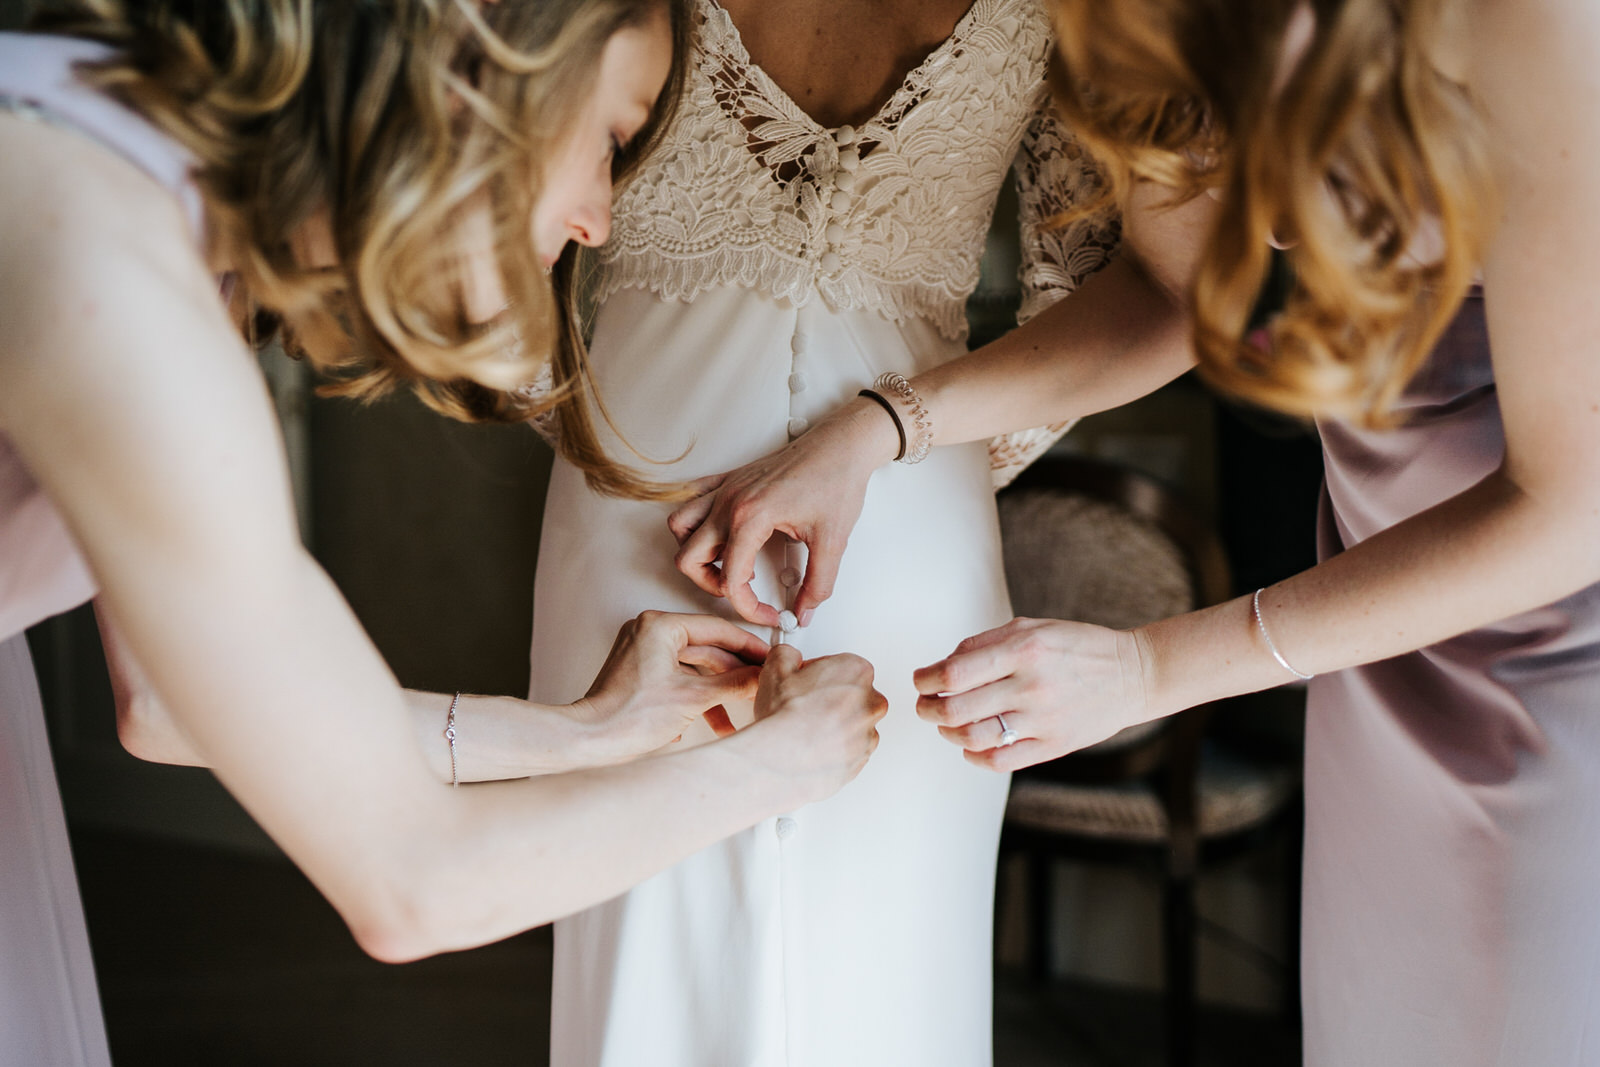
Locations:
(805, 616)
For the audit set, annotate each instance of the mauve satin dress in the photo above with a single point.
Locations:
(49, 1009)
(1451, 911)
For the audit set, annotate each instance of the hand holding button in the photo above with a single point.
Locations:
(811, 491)
(817, 720)
(665, 671)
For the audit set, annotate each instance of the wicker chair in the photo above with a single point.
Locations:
(1099, 543)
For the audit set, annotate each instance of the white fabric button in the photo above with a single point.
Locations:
(835, 232)
(798, 426)
(849, 160)
(790, 578)
(840, 201)
(797, 382)
(797, 343)
(845, 179)
(787, 827)
(844, 135)
(788, 622)
(830, 262)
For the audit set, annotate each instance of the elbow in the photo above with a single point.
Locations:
(412, 911)
(393, 942)
(395, 920)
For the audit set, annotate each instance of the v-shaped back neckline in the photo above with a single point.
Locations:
(778, 94)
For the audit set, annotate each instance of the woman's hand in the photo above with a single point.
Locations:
(811, 490)
(817, 719)
(664, 672)
(1060, 685)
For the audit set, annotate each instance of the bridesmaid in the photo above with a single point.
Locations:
(1434, 168)
(344, 168)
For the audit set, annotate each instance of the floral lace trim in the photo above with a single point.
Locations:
(770, 271)
(750, 191)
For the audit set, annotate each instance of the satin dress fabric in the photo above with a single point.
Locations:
(1452, 794)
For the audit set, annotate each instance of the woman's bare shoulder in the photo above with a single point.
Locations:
(1496, 43)
(84, 232)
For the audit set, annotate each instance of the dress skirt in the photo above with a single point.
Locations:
(1452, 870)
(49, 1010)
(856, 931)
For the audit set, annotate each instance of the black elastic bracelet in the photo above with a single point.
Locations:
(899, 427)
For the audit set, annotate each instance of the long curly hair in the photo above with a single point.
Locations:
(396, 117)
(1364, 156)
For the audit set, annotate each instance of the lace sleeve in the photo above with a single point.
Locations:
(1053, 172)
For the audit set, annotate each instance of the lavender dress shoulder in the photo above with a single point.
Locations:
(1453, 795)
(49, 1011)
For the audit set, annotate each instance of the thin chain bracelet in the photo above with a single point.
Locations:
(450, 736)
(922, 437)
(1255, 609)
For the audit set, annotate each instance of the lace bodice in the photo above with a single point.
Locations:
(891, 216)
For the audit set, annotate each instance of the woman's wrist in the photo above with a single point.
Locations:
(760, 750)
(1205, 655)
(870, 432)
(599, 734)
(502, 737)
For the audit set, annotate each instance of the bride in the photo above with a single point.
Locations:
(813, 219)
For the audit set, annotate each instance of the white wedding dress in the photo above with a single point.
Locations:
(761, 271)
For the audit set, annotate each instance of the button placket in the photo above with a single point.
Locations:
(841, 175)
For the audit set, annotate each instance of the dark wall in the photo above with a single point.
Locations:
(431, 529)
(12, 12)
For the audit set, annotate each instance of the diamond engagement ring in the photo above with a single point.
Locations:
(1008, 736)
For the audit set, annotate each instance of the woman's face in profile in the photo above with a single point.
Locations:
(575, 203)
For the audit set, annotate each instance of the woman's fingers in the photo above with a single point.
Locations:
(747, 604)
(698, 557)
(739, 569)
(986, 733)
(717, 719)
(740, 683)
(715, 632)
(704, 659)
(822, 570)
(1012, 757)
(967, 670)
(974, 705)
(689, 515)
(782, 662)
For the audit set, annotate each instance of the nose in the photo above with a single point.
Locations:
(590, 223)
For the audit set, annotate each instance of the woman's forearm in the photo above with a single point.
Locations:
(1122, 334)
(506, 856)
(499, 737)
(1117, 338)
(1484, 555)
(496, 737)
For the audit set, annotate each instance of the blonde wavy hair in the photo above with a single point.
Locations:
(397, 117)
(1364, 155)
